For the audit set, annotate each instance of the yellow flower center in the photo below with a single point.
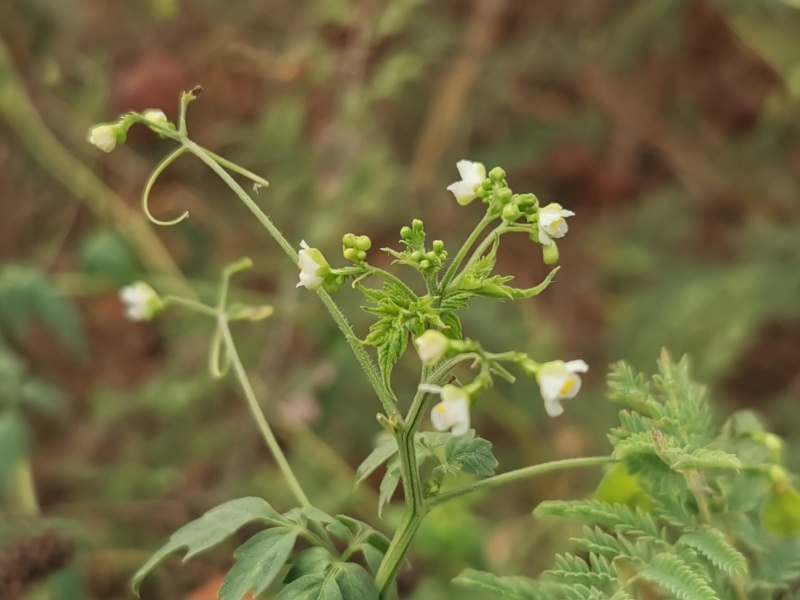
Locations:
(557, 221)
(440, 408)
(567, 386)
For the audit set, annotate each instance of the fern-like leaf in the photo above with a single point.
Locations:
(676, 577)
(712, 544)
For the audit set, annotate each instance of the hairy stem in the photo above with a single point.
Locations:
(462, 253)
(524, 473)
(385, 395)
(258, 414)
(484, 245)
(415, 500)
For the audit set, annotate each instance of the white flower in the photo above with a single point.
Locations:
(141, 301)
(103, 136)
(313, 267)
(552, 223)
(432, 346)
(558, 380)
(472, 176)
(155, 116)
(452, 413)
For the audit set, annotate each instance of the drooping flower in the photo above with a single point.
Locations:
(552, 223)
(431, 346)
(313, 267)
(155, 116)
(472, 176)
(559, 380)
(142, 303)
(104, 136)
(452, 413)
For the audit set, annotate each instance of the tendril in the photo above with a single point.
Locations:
(167, 161)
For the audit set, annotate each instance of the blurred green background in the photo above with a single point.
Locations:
(670, 128)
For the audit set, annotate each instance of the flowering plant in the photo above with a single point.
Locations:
(347, 558)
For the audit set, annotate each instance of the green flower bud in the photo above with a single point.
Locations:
(550, 253)
(349, 240)
(487, 185)
(482, 193)
(431, 256)
(417, 225)
(363, 243)
(361, 255)
(350, 254)
(497, 174)
(511, 213)
(405, 232)
(525, 201)
(438, 245)
(416, 256)
(424, 265)
(503, 194)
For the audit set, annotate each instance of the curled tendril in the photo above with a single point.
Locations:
(219, 359)
(167, 161)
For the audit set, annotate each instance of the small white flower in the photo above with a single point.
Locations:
(472, 176)
(141, 301)
(552, 223)
(559, 380)
(452, 413)
(313, 267)
(155, 116)
(431, 346)
(103, 136)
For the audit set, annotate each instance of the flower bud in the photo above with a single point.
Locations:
(550, 253)
(155, 116)
(142, 303)
(424, 264)
(487, 185)
(416, 256)
(350, 254)
(361, 255)
(438, 245)
(313, 267)
(349, 240)
(511, 213)
(432, 346)
(503, 194)
(363, 243)
(497, 174)
(105, 136)
(405, 232)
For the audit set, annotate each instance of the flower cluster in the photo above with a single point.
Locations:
(106, 136)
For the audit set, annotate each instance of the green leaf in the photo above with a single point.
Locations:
(453, 325)
(469, 454)
(27, 295)
(674, 576)
(313, 561)
(386, 448)
(105, 253)
(712, 544)
(508, 588)
(317, 586)
(13, 444)
(389, 484)
(355, 583)
(215, 526)
(258, 562)
(392, 349)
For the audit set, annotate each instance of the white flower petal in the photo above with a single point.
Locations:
(303, 245)
(577, 366)
(463, 191)
(471, 172)
(553, 408)
(461, 427)
(571, 387)
(307, 263)
(544, 239)
(551, 386)
(439, 417)
(567, 213)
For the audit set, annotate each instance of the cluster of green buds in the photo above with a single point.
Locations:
(426, 261)
(354, 247)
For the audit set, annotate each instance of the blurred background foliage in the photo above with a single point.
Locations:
(670, 128)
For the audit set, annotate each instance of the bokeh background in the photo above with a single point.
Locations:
(670, 128)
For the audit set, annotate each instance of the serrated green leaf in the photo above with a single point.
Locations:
(469, 454)
(452, 327)
(391, 350)
(712, 544)
(456, 300)
(355, 583)
(508, 588)
(317, 586)
(674, 576)
(209, 530)
(389, 484)
(386, 448)
(258, 562)
(313, 561)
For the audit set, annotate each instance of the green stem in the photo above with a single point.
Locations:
(258, 414)
(484, 245)
(238, 169)
(385, 395)
(389, 277)
(26, 504)
(192, 305)
(516, 475)
(416, 508)
(462, 253)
